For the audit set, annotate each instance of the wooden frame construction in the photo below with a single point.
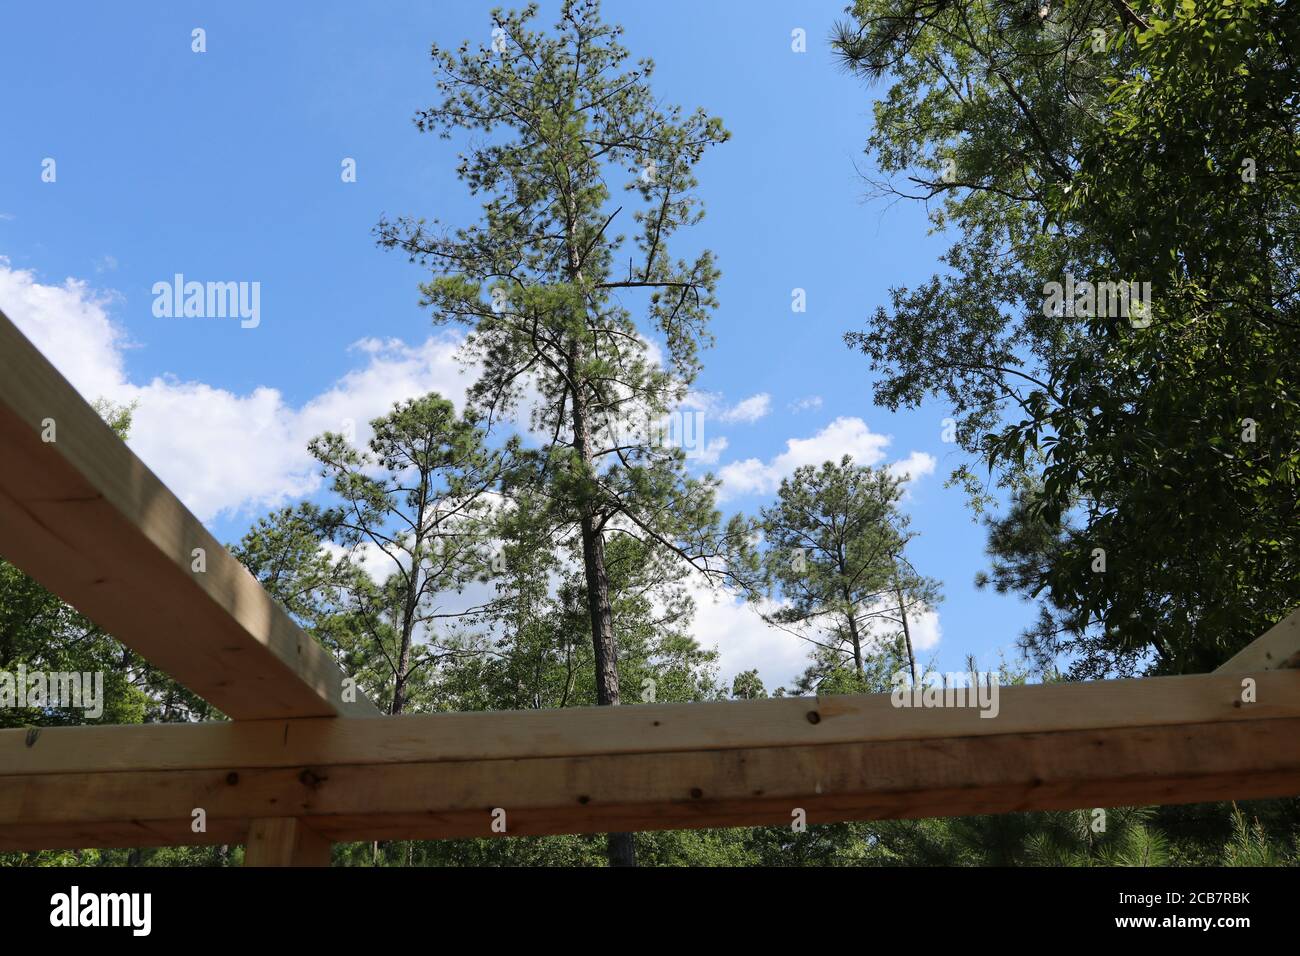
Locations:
(302, 765)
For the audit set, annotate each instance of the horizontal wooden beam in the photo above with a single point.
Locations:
(1162, 740)
(746, 787)
(81, 514)
(642, 728)
(1278, 647)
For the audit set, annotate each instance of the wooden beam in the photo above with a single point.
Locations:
(285, 841)
(1278, 647)
(746, 787)
(1163, 740)
(642, 728)
(82, 515)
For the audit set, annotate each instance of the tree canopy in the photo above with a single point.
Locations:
(1152, 456)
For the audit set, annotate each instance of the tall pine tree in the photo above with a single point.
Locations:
(547, 286)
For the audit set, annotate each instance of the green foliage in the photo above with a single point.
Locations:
(834, 555)
(564, 114)
(748, 686)
(1168, 443)
(551, 118)
(412, 525)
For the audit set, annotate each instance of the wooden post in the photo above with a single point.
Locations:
(285, 841)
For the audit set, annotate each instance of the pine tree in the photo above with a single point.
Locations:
(547, 289)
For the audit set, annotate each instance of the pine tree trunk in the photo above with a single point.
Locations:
(619, 846)
(907, 633)
(850, 613)
(620, 849)
(602, 621)
(399, 681)
(408, 621)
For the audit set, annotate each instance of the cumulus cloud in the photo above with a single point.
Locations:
(915, 465)
(807, 404)
(70, 325)
(744, 641)
(745, 412)
(711, 452)
(221, 451)
(844, 436)
(748, 410)
(922, 624)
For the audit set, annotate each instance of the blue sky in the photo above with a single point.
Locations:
(225, 165)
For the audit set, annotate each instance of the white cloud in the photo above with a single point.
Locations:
(70, 325)
(844, 436)
(744, 641)
(922, 624)
(926, 632)
(915, 465)
(806, 404)
(370, 558)
(221, 451)
(711, 452)
(748, 410)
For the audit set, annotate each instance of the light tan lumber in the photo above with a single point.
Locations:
(1278, 647)
(87, 519)
(1242, 759)
(285, 841)
(642, 728)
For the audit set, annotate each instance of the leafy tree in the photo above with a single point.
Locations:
(1086, 140)
(527, 648)
(561, 114)
(748, 686)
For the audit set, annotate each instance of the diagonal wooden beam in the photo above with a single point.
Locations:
(1278, 647)
(1159, 740)
(81, 514)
